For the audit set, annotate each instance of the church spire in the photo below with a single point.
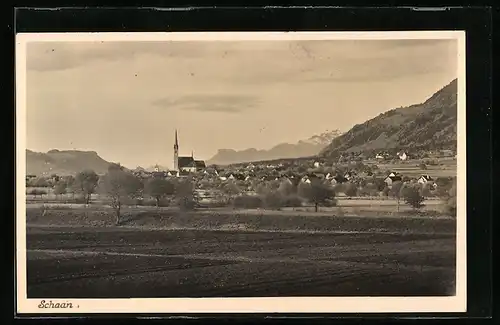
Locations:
(176, 152)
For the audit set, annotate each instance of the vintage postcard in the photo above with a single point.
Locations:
(299, 172)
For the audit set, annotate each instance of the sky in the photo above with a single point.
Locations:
(124, 100)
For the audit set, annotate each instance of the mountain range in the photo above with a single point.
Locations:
(303, 148)
(64, 162)
(431, 125)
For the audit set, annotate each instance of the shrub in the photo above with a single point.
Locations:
(186, 203)
(247, 202)
(37, 191)
(272, 200)
(330, 203)
(413, 197)
(291, 201)
(451, 206)
(351, 189)
(423, 166)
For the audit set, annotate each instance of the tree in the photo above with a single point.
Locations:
(231, 190)
(272, 199)
(412, 197)
(316, 192)
(119, 185)
(60, 188)
(423, 166)
(159, 188)
(396, 191)
(41, 182)
(451, 201)
(425, 190)
(185, 194)
(286, 188)
(86, 183)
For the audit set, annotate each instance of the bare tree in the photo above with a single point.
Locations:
(119, 185)
(396, 191)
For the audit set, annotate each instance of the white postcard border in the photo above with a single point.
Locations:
(455, 303)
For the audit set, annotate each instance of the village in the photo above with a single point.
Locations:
(348, 178)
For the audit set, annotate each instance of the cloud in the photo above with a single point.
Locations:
(209, 103)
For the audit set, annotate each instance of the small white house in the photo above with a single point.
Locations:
(402, 155)
(424, 179)
(316, 164)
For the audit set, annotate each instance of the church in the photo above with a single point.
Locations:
(186, 164)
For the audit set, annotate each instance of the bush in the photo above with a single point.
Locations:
(272, 200)
(186, 204)
(37, 191)
(451, 206)
(247, 202)
(330, 203)
(413, 197)
(291, 201)
(351, 190)
(152, 202)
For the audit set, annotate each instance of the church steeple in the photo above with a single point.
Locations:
(176, 152)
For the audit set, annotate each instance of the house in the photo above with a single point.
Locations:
(250, 166)
(391, 178)
(379, 156)
(173, 173)
(402, 155)
(424, 179)
(317, 164)
(349, 175)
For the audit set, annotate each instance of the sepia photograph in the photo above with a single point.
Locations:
(263, 172)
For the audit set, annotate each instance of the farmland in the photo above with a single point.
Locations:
(77, 262)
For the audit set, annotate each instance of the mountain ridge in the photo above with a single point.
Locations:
(64, 162)
(303, 148)
(430, 125)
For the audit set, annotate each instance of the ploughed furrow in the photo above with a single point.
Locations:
(100, 265)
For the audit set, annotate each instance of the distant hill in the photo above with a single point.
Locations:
(431, 125)
(64, 162)
(303, 148)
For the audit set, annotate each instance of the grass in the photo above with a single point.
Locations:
(340, 219)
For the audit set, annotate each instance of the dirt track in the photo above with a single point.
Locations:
(109, 262)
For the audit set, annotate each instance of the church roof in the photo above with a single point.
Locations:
(199, 164)
(185, 161)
